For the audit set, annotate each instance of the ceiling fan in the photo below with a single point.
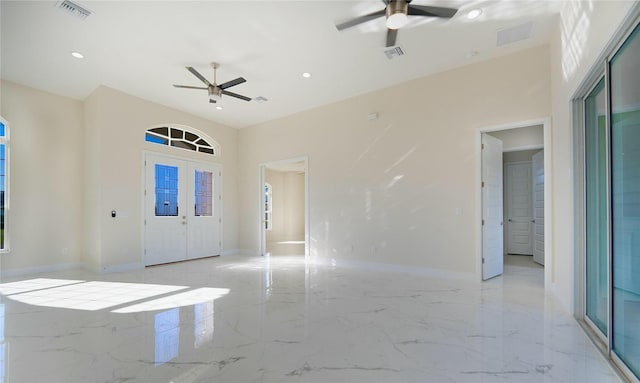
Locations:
(215, 91)
(396, 12)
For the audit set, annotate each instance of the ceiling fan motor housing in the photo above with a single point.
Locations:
(215, 93)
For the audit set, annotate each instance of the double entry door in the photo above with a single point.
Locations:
(182, 209)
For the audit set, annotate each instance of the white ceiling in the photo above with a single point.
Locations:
(141, 48)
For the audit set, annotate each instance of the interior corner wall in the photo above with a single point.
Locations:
(45, 217)
(400, 189)
(120, 121)
(582, 34)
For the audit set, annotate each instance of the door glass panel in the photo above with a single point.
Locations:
(596, 213)
(203, 193)
(166, 190)
(625, 177)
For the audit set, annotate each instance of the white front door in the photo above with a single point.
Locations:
(492, 229)
(182, 210)
(519, 208)
(537, 165)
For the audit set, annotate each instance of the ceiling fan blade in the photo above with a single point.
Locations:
(190, 87)
(391, 37)
(231, 83)
(198, 75)
(425, 10)
(236, 95)
(360, 20)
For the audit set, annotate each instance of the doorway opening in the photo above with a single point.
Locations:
(514, 230)
(284, 227)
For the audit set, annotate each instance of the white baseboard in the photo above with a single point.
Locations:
(40, 269)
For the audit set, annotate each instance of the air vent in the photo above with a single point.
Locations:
(394, 52)
(259, 99)
(73, 9)
(514, 34)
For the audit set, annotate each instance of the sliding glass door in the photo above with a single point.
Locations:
(611, 115)
(625, 189)
(597, 301)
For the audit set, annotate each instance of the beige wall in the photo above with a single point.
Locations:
(582, 34)
(121, 121)
(46, 184)
(521, 138)
(288, 206)
(72, 162)
(400, 189)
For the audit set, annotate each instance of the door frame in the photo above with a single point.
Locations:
(548, 203)
(262, 235)
(143, 184)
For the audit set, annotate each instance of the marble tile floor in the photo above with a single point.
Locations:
(280, 319)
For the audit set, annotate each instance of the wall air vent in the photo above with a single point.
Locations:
(514, 34)
(73, 9)
(394, 52)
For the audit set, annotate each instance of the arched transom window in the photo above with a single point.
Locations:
(182, 138)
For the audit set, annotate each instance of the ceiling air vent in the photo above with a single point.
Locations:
(73, 9)
(394, 52)
(515, 34)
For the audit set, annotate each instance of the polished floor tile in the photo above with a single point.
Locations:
(281, 319)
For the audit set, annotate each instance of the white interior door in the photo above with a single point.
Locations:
(183, 202)
(165, 210)
(537, 166)
(492, 225)
(519, 208)
(203, 218)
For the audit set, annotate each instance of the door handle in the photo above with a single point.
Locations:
(510, 220)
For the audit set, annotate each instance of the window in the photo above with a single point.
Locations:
(610, 112)
(203, 193)
(268, 206)
(166, 190)
(181, 138)
(4, 183)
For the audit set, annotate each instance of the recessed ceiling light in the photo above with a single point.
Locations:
(306, 75)
(219, 107)
(77, 55)
(474, 13)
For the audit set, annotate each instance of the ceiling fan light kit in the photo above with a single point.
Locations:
(397, 14)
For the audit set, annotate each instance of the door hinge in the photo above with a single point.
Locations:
(145, 222)
(220, 243)
(482, 146)
(482, 183)
(220, 220)
(483, 261)
(145, 191)
(483, 222)
(220, 197)
(145, 162)
(145, 251)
